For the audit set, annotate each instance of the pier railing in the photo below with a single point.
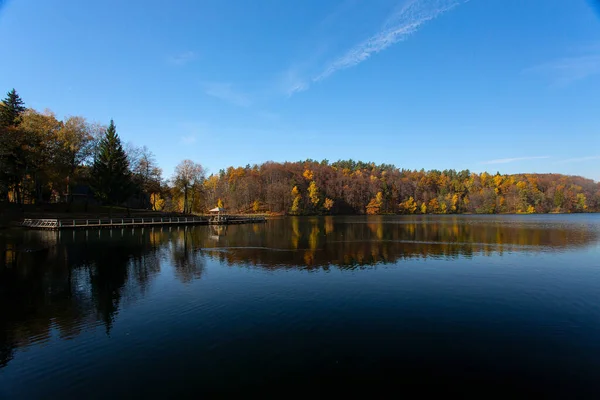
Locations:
(108, 222)
(80, 223)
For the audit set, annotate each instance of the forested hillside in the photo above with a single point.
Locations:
(45, 160)
(311, 187)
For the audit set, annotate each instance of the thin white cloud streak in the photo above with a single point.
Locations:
(397, 28)
(183, 58)
(226, 92)
(510, 160)
(568, 70)
(292, 82)
(578, 159)
(188, 139)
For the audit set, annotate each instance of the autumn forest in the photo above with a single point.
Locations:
(45, 160)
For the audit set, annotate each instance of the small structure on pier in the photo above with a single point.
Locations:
(217, 216)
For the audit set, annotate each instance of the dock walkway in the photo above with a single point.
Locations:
(95, 223)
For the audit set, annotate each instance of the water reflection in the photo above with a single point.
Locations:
(65, 283)
(361, 241)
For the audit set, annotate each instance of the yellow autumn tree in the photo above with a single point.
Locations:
(220, 203)
(158, 203)
(581, 204)
(328, 204)
(443, 208)
(308, 175)
(256, 206)
(498, 183)
(454, 203)
(313, 193)
(408, 206)
(423, 208)
(434, 205)
(296, 201)
(484, 178)
(374, 206)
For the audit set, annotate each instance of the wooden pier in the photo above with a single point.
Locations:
(110, 223)
(234, 219)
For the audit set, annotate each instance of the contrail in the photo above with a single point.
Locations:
(397, 28)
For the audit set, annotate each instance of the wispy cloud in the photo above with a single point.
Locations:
(405, 21)
(566, 70)
(226, 92)
(183, 58)
(293, 82)
(189, 139)
(510, 160)
(578, 159)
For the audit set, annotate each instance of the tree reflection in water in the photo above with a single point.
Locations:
(362, 241)
(72, 281)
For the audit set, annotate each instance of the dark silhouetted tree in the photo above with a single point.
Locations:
(11, 109)
(111, 178)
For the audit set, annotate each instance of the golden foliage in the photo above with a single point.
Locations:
(374, 206)
(454, 202)
(308, 175)
(443, 208)
(295, 206)
(328, 204)
(581, 202)
(296, 201)
(408, 206)
(313, 193)
(434, 206)
(211, 182)
(158, 203)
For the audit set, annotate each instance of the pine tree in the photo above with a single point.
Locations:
(11, 109)
(12, 156)
(111, 178)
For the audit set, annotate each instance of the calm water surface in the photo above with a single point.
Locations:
(319, 305)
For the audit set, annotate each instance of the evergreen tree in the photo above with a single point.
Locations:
(111, 178)
(11, 109)
(12, 156)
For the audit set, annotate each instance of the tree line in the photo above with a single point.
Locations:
(350, 187)
(46, 160)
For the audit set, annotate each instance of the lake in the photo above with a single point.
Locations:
(328, 305)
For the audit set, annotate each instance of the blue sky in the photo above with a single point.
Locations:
(497, 85)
